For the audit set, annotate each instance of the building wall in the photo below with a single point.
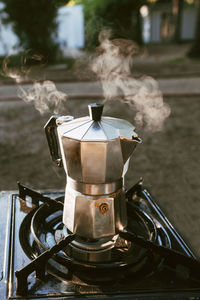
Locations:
(188, 23)
(161, 27)
(71, 27)
(8, 40)
(155, 26)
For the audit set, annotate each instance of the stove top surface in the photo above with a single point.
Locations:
(149, 275)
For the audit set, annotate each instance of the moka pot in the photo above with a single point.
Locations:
(95, 152)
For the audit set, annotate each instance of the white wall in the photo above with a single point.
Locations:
(8, 40)
(71, 27)
(155, 26)
(188, 23)
(146, 27)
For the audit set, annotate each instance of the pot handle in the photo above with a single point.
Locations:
(49, 128)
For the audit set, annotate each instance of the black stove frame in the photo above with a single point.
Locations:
(174, 280)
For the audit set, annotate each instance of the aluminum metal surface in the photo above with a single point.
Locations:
(95, 252)
(95, 151)
(85, 129)
(95, 189)
(94, 217)
(96, 162)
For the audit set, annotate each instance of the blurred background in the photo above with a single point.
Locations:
(49, 44)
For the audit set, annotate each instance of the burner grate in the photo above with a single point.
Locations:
(44, 222)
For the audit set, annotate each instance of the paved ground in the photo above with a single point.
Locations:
(74, 90)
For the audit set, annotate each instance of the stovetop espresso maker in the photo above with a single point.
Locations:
(95, 154)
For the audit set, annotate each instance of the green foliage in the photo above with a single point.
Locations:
(121, 16)
(34, 23)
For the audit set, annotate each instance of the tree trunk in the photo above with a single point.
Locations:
(195, 49)
(136, 32)
(177, 11)
(139, 28)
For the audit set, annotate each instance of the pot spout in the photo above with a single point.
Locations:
(128, 146)
(136, 139)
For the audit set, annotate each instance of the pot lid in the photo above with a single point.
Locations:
(97, 128)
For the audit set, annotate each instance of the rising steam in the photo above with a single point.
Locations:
(17, 74)
(113, 67)
(112, 64)
(44, 95)
(19, 69)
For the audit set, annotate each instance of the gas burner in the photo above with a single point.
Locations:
(43, 228)
(152, 256)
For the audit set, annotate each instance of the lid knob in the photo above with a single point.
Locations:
(95, 111)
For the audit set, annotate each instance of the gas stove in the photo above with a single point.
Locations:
(150, 259)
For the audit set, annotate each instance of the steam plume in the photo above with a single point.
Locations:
(20, 69)
(12, 72)
(44, 95)
(113, 67)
